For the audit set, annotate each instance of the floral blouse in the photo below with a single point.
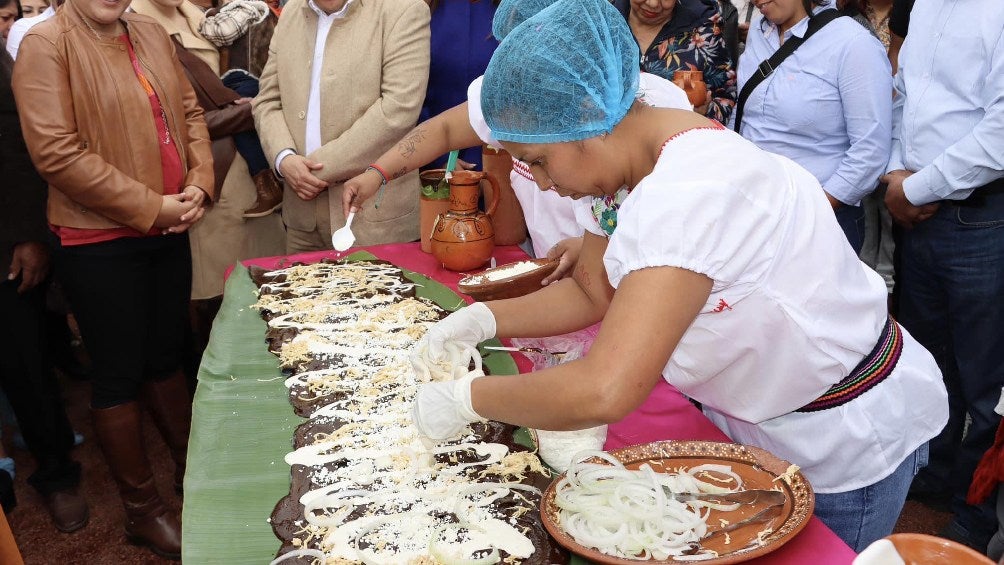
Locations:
(693, 40)
(604, 210)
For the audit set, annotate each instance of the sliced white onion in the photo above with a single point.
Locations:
(626, 513)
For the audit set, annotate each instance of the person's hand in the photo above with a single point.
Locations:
(359, 189)
(172, 208)
(297, 170)
(244, 100)
(447, 349)
(443, 410)
(196, 196)
(30, 261)
(466, 327)
(744, 29)
(900, 208)
(567, 253)
(834, 203)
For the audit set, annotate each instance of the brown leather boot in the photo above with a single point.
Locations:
(68, 509)
(269, 195)
(170, 405)
(148, 521)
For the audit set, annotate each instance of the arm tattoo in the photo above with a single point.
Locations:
(409, 145)
(582, 275)
(399, 173)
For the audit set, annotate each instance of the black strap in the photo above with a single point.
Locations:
(767, 67)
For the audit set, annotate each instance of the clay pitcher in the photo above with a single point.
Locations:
(464, 237)
(692, 82)
(430, 208)
(510, 228)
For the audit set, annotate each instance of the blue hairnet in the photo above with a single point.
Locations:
(511, 13)
(568, 73)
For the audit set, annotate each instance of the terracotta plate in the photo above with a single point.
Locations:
(758, 469)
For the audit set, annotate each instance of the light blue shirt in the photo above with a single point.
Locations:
(948, 117)
(827, 107)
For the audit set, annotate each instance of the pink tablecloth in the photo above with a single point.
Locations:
(666, 414)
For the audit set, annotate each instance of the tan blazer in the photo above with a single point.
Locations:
(376, 67)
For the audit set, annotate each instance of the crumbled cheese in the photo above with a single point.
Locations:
(788, 475)
(516, 465)
(357, 320)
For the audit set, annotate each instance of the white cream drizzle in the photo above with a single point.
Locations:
(386, 471)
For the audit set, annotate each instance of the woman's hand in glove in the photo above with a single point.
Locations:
(461, 330)
(468, 326)
(443, 409)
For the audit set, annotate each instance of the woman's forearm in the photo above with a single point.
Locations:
(430, 139)
(556, 309)
(641, 329)
(564, 306)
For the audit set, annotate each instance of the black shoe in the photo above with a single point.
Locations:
(935, 497)
(7, 499)
(74, 369)
(958, 533)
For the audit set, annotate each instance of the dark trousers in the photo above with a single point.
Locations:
(951, 287)
(247, 142)
(130, 298)
(852, 221)
(28, 381)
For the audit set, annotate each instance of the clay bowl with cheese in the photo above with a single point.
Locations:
(507, 281)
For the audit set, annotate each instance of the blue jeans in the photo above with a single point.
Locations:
(952, 301)
(859, 517)
(852, 221)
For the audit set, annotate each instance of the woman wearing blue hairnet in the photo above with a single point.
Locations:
(732, 283)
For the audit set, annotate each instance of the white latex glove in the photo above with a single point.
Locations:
(442, 410)
(468, 326)
(557, 448)
(451, 343)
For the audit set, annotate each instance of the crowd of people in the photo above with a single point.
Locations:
(846, 164)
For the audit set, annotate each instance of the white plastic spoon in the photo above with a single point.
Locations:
(343, 238)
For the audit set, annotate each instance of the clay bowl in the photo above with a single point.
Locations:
(922, 549)
(498, 283)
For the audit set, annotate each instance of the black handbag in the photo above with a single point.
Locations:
(767, 67)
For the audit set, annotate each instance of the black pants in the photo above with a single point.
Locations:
(130, 298)
(28, 381)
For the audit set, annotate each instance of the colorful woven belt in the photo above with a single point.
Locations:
(872, 370)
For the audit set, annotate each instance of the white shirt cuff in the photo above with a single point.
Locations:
(278, 159)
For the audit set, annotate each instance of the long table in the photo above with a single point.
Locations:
(242, 424)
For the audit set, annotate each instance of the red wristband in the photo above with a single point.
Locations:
(380, 171)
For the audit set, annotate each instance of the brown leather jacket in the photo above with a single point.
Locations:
(88, 124)
(223, 117)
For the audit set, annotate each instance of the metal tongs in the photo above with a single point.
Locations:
(752, 496)
(523, 349)
(764, 516)
(552, 357)
(772, 498)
